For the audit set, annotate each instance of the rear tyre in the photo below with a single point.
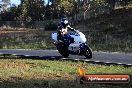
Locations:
(88, 52)
(63, 50)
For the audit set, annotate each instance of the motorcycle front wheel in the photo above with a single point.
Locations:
(63, 50)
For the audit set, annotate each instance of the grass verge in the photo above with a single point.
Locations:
(31, 73)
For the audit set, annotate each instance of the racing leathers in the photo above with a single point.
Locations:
(62, 32)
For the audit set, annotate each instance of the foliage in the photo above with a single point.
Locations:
(50, 26)
(32, 10)
(10, 15)
(37, 10)
(66, 6)
(4, 5)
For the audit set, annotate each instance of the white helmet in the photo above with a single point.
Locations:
(64, 22)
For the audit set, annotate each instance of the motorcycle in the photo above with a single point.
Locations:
(75, 44)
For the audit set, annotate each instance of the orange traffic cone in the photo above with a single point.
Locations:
(81, 70)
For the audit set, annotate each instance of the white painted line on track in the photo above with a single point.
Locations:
(119, 63)
(129, 64)
(75, 59)
(14, 54)
(64, 58)
(27, 55)
(86, 60)
(107, 62)
(96, 61)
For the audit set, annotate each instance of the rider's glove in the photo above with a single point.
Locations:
(77, 31)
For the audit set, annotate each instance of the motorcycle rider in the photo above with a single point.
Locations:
(62, 30)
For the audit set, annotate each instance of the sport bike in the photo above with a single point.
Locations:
(75, 44)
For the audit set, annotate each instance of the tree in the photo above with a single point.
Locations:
(86, 7)
(24, 10)
(11, 14)
(60, 7)
(67, 6)
(111, 3)
(32, 10)
(5, 4)
(36, 10)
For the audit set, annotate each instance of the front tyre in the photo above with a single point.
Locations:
(88, 52)
(63, 50)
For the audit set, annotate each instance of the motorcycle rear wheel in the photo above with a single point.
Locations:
(88, 53)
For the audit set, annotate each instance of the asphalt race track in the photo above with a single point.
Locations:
(98, 57)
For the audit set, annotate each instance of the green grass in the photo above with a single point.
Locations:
(30, 39)
(31, 73)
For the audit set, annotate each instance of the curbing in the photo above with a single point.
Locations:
(86, 60)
